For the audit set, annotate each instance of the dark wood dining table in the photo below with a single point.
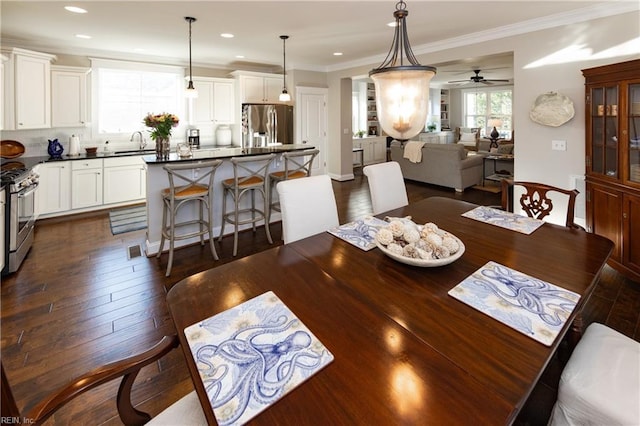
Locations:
(405, 351)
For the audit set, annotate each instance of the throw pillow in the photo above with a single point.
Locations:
(467, 137)
(506, 148)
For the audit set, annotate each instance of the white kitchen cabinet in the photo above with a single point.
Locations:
(214, 105)
(69, 96)
(3, 246)
(86, 183)
(27, 90)
(374, 149)
(54, 190)
(224, 106)
(258, 87)
(124, 179)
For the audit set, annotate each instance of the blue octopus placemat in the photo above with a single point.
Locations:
(504, 219)
(252, 355)
(361, 233)
(531, 306)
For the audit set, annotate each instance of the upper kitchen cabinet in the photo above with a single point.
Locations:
(612, 106)
(69, 96)
(215, 103)
(27, 89)
(256, 87)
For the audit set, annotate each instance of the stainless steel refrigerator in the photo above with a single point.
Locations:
(266, 124)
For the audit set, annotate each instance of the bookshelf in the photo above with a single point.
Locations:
(444, 109)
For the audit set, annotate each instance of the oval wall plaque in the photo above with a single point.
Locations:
(552, 109)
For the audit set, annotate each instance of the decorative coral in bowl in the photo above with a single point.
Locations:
(419, 245)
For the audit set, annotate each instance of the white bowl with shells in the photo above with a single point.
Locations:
(419, 245)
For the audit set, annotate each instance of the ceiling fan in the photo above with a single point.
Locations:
(477, 78)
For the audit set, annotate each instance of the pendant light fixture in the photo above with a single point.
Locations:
(191, 91)
(284, 96)
(402, 88)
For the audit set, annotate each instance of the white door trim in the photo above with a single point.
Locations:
(322, 146)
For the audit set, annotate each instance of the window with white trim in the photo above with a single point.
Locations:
(487, 107)
(125, 92)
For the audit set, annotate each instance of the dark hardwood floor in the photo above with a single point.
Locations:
(79, 301)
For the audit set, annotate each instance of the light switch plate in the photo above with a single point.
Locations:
(558, 145)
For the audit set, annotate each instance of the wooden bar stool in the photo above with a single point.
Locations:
(250, 174)
(297, 164)
(188, 182)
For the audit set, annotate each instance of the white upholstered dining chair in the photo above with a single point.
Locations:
(600, 385)
(308, 207)
(386, 186)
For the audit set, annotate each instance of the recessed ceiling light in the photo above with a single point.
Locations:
(75, 9)
(240, 56)
(392, 24)
(226, 35)
(337, 53)
(83, 36)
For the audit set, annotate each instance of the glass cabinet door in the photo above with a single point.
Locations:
(604, 130)
(634, 132)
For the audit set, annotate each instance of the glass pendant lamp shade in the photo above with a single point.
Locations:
(191, 91)
(402, 90)
(402, 101)
(284, 96)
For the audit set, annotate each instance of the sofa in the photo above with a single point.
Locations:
(442, 164)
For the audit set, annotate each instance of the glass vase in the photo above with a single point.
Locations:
(162, 147)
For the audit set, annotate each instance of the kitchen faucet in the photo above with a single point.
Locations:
(143, 142)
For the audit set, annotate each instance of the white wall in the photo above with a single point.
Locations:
(596, 40)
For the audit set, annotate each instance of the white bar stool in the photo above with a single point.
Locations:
(250, 175)
(188, 182)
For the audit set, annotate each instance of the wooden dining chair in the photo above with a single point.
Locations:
(535, 202)
(186, 408)
(308, 207)
(386, 186)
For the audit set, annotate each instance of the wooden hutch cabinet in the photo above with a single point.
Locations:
(613, 160)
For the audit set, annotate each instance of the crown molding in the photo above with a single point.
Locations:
(602, 10)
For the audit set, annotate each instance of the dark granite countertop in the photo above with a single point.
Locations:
(222, 153)
(206, 152)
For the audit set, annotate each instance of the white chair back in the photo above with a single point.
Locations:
(386, 186)
(308, 207)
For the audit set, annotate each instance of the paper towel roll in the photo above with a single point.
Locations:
(74, 145)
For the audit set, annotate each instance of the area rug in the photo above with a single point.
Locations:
(489, 187)
(128, 219)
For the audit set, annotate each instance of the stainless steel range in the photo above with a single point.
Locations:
(22, 184)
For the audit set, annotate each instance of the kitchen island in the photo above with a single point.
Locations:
(157, 180)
